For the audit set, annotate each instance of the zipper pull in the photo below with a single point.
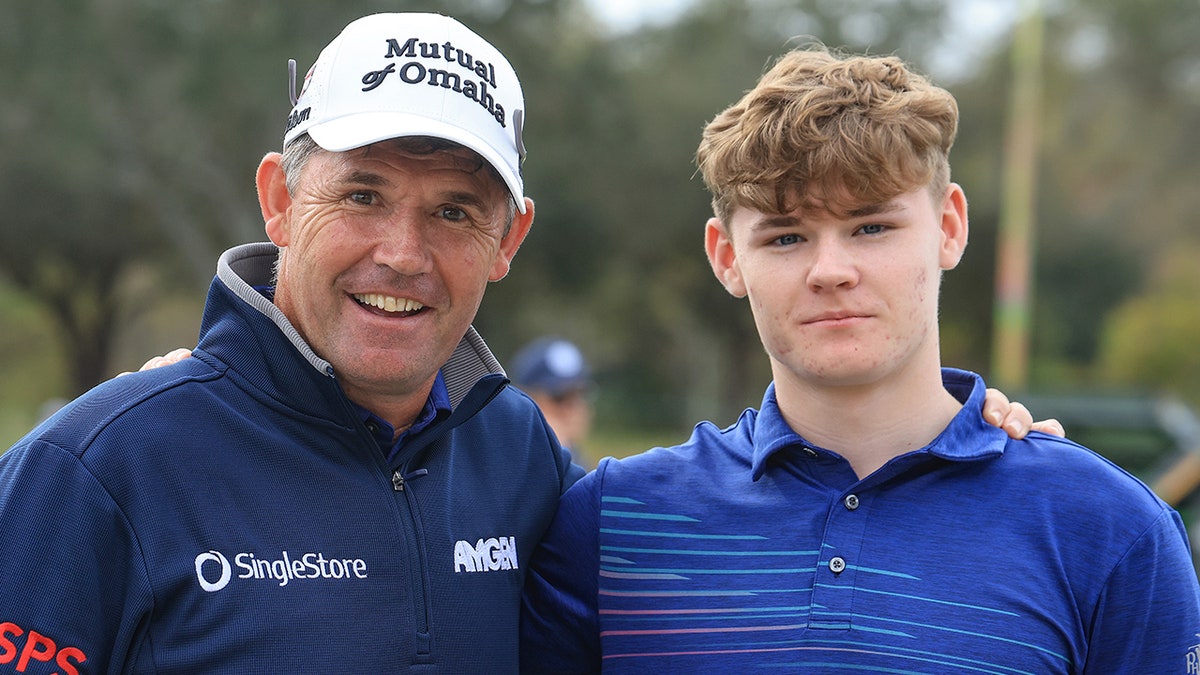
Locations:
(398, 478)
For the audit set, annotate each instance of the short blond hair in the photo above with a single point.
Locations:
(821, 128)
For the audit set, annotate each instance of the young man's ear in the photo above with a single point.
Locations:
(512, 241)
(722, 257)
(273, 198)
(954, 227)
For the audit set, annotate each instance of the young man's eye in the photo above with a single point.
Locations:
(788, 239)
(873, 228)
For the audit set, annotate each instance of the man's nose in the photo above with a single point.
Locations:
(402, 244)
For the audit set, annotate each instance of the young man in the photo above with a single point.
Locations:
(339, 480)
(864, 519)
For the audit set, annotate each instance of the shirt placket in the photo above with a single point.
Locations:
(839, 568)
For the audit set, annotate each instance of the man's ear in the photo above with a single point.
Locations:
(273, 198)
(723, 258)
(954, 227)
(512, 241)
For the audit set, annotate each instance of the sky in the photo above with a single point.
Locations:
(623, 15)
(979, 23)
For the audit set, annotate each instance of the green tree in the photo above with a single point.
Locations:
(1151, 340)
(109, 167)
(132, 127)
(1115, 178)
(1119, 169)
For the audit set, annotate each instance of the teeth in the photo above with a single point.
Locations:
(388, 303)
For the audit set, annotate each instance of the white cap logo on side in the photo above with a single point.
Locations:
(392, 75)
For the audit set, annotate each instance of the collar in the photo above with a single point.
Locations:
(437, 408)
(967, 438)
(242, 268)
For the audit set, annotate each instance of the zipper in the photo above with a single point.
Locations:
(422, 612)
(398, 478)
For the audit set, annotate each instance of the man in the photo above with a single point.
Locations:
(340, 480)
(556, 376)
(864, 519)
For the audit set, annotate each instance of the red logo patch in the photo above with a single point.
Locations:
(24, 647)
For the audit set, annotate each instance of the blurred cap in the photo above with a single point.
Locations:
(550, 364)
(414, 74)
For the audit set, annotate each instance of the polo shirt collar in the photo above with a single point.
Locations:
(967, 438)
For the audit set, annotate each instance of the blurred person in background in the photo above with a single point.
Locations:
(556, 375)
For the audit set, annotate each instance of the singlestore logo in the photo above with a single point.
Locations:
(214, 572)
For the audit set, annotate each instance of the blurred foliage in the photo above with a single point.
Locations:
(1153, 339)
(131, 129)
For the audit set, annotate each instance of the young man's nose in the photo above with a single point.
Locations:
(832, 266)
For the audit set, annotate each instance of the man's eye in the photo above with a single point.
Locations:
(451, 213)
(873, 228)
(364, 197)
(788, 239)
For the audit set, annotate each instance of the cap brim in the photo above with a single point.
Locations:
(362, 129)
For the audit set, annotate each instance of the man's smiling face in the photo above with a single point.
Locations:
(386, 255)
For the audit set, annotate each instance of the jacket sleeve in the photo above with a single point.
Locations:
(1148, 617)
(73, 589)
(559, 614)
(569, 472)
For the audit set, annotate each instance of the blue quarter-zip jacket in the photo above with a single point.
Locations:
(231, 513)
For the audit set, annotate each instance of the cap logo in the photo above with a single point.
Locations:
(298, 117)
(416, 72)
(307, 79)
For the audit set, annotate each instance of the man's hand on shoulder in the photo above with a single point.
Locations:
(173, 356)
(1014, 418)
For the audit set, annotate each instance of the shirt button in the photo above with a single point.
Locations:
(837, 564)
(372, 427)
(851, 502)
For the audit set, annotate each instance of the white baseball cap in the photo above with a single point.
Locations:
(412, 74)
